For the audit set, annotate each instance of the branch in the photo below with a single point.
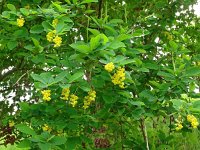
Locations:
(100, 6)
(19, 66)
(144, 133)
(3, 76)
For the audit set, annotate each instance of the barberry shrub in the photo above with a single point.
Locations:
(92, 74)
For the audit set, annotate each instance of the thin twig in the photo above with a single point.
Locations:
(144, 133)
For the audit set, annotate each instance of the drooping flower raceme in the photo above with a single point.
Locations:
(50, 35)
(109, 67)
(46, 95)
(193, 120)
(57, 40)
(73, 100)
(20, 22)
(55, 22)
(89, 99)
(119, 77)
(65, 94)
(178, 124)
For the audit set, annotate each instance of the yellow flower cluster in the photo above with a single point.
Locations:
(89, 99)
(65, 94)
(119, 77)
(193, 120)
(179, 126)
(57, 40)
(46, 95)
(46, 128)
(11, 123)
(73, 100)
(20, 22)
(109, 67)
(52, 37)
(55, 22)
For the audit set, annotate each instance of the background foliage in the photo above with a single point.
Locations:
(157, 44)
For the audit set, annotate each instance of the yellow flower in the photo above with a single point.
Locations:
(57, 40)
(89, 99)
(20, 22)
(119, 77)
(109, 67)
(46, 95)
(195, 124)
(55, 22)
(51, 35)
(65, 94)
(73, 100)
(179, 126)
(46, 128)
(193, 120)
(11, 123)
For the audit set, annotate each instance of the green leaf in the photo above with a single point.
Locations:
(75, 76)
(24, 11)
(46, 25)
(21, 33)
(36, 42)
(140, 33)
(136, 103)
(88, 1)
(37, 29)
(151, 65)
(143, 69)
(60, 26)
(127, 61)
(44, 146)
(94, 31)
(37, 45)
(24, 144)
(94, 42)
(179, 104)
(196, 104)
(24, 106)
(165, 75)
(11, 7)
(47, 77)
(59, 7)
(173, 45)
(116, 44)
(60, 77)
(12, 44)
(58, 140)
(116, 21)
(25, 129)
(37, 77)
(72, 142)
(123, 37)
(80, 47)
(193, 71)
